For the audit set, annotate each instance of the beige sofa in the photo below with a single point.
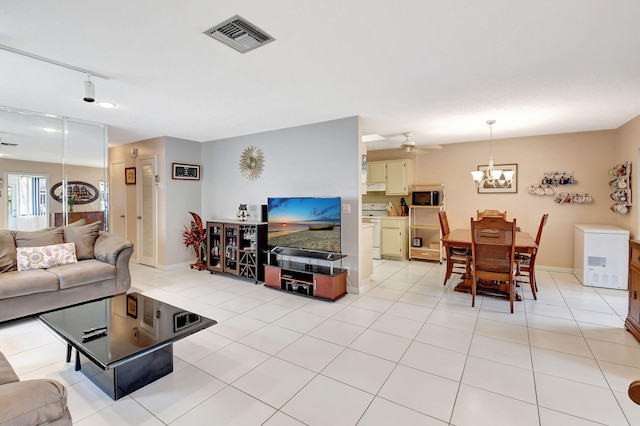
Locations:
(101, 270)
(31, 402)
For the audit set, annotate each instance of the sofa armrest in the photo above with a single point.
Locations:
(117, 251)
(33, 402)
(108, 247)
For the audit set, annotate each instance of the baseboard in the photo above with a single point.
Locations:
(554, 269)
(174, 266)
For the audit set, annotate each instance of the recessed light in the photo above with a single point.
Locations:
(106, 104)
(50, 130)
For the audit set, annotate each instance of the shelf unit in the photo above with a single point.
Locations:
(237, 248)
(321, 281)
(425, 235)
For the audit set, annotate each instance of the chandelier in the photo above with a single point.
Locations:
(492, 177)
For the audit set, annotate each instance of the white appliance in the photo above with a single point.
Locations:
(601, 256)
(371, 213)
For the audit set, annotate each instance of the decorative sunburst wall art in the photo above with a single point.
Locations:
(251, 162)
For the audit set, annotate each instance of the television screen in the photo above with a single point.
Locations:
(304, 223)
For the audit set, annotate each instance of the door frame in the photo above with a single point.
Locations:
(113, 189)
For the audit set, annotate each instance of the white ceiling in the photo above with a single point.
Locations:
(437, 68)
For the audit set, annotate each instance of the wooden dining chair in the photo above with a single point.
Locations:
(457, 258)
(527, 262)
(491, 213)
(493, 244)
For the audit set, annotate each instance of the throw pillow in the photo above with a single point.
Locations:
(7, 251)
(45, 257)
(39, 238)
(76, 223)
(84, 238)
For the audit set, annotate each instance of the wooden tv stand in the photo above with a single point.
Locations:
(325, 282)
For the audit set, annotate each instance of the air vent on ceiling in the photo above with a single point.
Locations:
(8, 144)
(240, 34)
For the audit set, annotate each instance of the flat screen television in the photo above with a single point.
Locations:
(309, 223)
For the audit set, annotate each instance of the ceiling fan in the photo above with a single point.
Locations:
(409, 145)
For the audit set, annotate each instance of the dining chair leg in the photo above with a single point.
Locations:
(534, 290)
(511, 294)
(473, 292)
(447, 275)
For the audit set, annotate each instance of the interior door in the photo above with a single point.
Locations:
(146, 218)
(118, 200)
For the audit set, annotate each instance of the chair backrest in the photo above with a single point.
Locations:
(491, 213)
(543, 222)
(444, 223)
(493, 243)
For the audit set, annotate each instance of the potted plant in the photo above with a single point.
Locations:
(195, 236)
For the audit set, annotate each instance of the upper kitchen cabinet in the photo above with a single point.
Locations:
(377, 173)
(391, 176)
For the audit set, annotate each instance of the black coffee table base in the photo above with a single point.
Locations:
(129, 376)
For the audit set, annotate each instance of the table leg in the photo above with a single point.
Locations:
(77, 360)
(69, 348)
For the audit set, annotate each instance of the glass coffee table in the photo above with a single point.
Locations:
(125, 342)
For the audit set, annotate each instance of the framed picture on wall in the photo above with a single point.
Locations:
(501, 186)
(185, 171)
(130, 175)
(132, 306)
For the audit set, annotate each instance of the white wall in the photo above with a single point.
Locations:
(180, 198)
(315, 160)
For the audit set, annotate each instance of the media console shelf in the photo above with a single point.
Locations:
(322, 281)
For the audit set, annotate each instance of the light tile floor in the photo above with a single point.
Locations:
(409, 351)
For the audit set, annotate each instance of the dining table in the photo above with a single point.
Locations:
(461, 238)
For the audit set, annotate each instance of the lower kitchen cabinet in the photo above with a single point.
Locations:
(394, 240)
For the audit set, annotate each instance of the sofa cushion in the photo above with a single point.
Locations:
(84, 238)
(39, 238)
(46, 256)
(7, 251)
(84, 272)
(22, 283)
(7, 374)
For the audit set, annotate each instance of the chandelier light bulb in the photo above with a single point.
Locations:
(491, 176)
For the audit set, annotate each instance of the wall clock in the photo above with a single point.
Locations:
(251, 162)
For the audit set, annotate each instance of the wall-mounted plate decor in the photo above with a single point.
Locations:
(85, 193)
(251, 162)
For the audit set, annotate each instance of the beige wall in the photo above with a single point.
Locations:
(147, 148)
(589, 155)
(628, 150)
(175, 198)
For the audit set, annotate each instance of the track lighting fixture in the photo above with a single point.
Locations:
(89, 90)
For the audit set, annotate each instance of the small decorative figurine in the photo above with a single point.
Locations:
(243, 213)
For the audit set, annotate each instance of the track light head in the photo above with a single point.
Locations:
(89, 90)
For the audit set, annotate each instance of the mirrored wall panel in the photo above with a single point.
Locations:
(53, 170)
